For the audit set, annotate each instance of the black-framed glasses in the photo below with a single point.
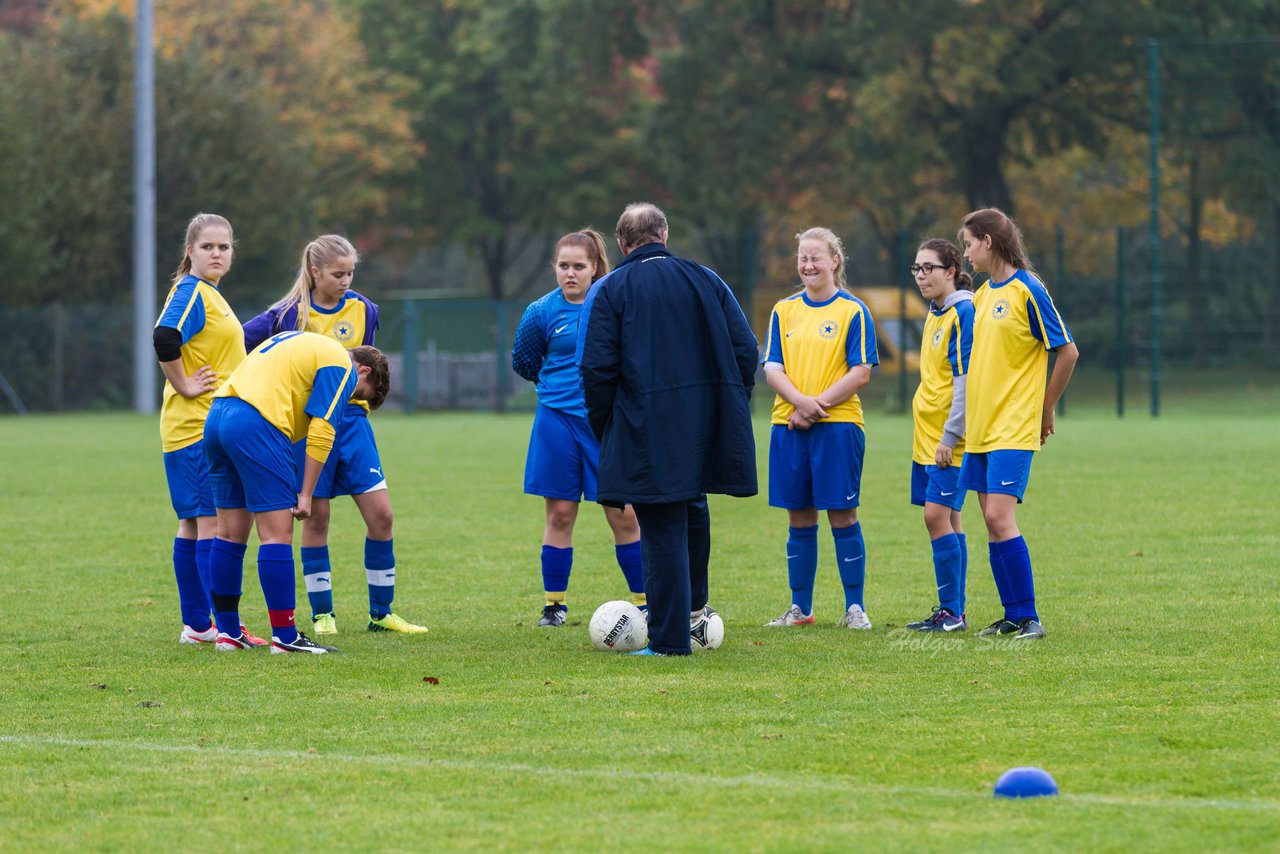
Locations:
(926, 268)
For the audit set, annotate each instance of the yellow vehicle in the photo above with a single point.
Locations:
(885, 303)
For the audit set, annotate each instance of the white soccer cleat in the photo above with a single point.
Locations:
(190, 635)
(855, 618)
(793, 616)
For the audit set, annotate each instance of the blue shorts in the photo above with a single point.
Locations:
(1001, 472)
(250, 461)
(820, 467)
(353, 467)
(564, 457)
(936, 485)
(190, 492)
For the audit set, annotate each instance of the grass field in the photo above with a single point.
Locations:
(1153, 700)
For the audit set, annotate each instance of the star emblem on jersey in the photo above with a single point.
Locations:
(937, 338)
(343, 331)
(1000, 310)
(828, 328)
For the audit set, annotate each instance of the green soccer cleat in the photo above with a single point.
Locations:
(395, 623)
(325, 624)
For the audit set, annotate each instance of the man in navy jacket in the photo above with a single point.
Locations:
(668, 362)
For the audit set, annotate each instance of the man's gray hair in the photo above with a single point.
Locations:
(641, 223)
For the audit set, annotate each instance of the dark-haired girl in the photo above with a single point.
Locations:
(564, 457)
(938, 414)
(1008, 410)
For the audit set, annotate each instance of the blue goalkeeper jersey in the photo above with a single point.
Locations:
(545, 352)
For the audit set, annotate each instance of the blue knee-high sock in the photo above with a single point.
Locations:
(631, 560)
(380, 570)
(275, 574)
(202, 569)
(964, 573)
(226, 574)
(996, 555)
(1022, 589)
(193, 604)
(802, 566)
(556, 565)
(946, 569)
(318, 576)
(851, 555)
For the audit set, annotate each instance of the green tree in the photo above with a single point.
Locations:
(519, 114)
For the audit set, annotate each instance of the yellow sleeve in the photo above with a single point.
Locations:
(319, 439)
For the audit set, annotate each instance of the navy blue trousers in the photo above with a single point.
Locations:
(675, 545)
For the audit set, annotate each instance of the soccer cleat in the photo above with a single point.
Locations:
(855, 618)
(250, 638)
(395, 623)
(793, 616)
(324, 624)
(190, 635)
(1000, 627)
(554, 616)
(941, 620)
(302, 644)
(1029, 628)
(226, 643)
(647, 651)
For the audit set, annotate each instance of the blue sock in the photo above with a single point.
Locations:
(1022, 589)
(226, 574)
(851, 556)
(556, 565)
(946, 569)
(202, 568)
(629, 558)
(317, 575)
(996, 556)
(275, 574)
(192, 602)
(380, 570)
(964, 573)
(802, 565)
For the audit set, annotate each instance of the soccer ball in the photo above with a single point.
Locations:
(706, 631)
(618, 626)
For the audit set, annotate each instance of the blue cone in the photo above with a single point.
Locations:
(1025, 783)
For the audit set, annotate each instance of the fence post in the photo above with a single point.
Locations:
(499, 362)
(1153, 75)
(409, 354)
(899, 265)
(59, 356)
(1120, 348)
(1061, 286)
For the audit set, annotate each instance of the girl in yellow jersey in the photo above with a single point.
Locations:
(820, 350)
(1008, 410)
(322, 301)
(938, 415)
(199, 343)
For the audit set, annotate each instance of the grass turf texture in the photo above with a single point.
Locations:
(1153, 700)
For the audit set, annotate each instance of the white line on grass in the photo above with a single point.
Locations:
(666, 777)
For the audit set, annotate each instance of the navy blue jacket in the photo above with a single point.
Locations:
(668, 362)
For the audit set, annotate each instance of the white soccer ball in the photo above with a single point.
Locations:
(706, 632)
(618, 626)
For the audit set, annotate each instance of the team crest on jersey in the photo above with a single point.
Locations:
(344, 331)
(828, 328)
(1000, 310)
(937, 337)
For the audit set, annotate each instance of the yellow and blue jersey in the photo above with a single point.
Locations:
(1015, 326)
(945, 351)
(292, 378)
(817, 343)
(211, 335)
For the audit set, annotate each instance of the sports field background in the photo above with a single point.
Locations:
(1152, 701)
